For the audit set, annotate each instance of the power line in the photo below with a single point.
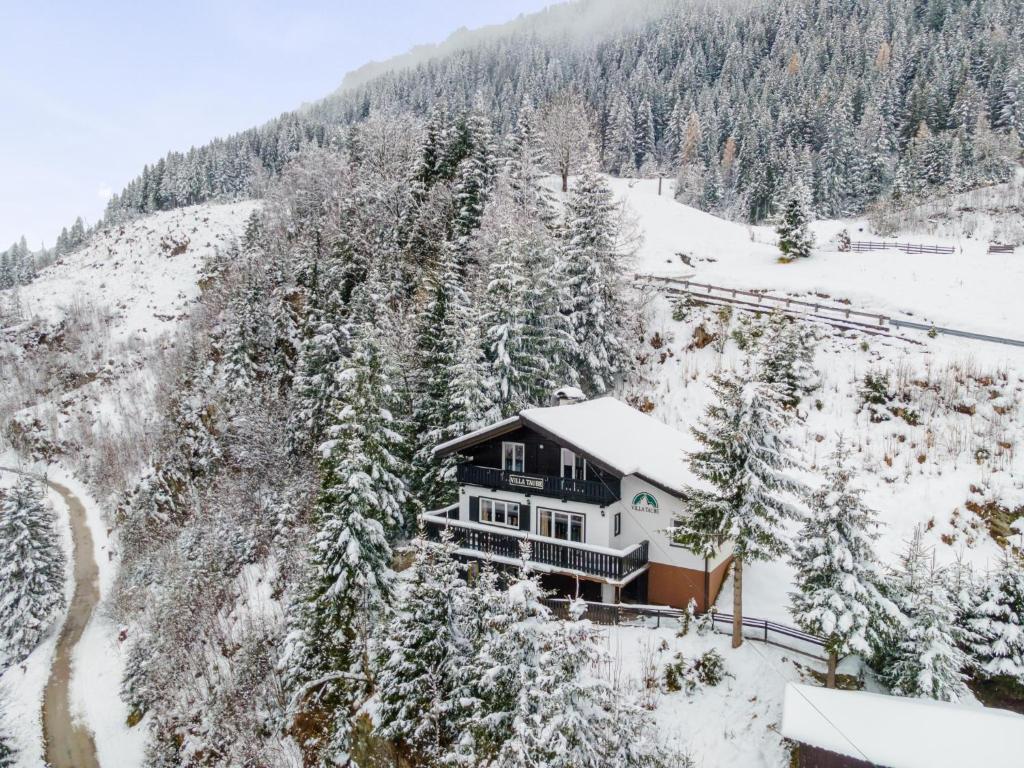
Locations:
(824, 717)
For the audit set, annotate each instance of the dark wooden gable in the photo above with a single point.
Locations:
(543, 454)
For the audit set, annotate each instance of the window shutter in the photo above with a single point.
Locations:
(524, 517)
(474, 509)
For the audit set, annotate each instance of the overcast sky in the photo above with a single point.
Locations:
(89, 92)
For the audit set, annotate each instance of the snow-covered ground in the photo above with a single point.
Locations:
(970, 290)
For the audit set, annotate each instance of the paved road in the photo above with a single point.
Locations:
(68, 744)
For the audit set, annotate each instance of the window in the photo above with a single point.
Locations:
(618, 523)
(573, 467)
(496, 512)
(513, 457)
(567, 526)
(676, 522)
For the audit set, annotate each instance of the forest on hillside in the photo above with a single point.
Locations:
(860, 100)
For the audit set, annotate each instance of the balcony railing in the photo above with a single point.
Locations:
(614, 565)
(589, 491)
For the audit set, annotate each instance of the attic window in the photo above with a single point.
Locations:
(513, 457)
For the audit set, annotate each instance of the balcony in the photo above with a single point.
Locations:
(481, 541)
(588, 491)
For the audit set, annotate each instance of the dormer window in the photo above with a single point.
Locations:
(513, 457)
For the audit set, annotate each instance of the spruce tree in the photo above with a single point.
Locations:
(350, 582)
(744, 459)
(786, 359)
(837, 571)
(31, 571)
(514, 330)
(422, 659)
(924, 660)
(593, 271)
(795, 238)
(8, 757)
(537, 704)
(998, 624)
(455, 392)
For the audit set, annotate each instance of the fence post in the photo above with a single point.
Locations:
(766, 631)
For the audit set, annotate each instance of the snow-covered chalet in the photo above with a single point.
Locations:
(593, 486)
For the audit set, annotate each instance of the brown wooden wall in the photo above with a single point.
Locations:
(674, 586)
(815, 757)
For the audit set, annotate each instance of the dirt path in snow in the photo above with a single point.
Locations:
(68, 744)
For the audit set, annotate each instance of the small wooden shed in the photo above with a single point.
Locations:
(855, 729)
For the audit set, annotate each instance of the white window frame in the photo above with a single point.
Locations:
(493, 517)
(519, 448)
(554, 513)
(577, 463)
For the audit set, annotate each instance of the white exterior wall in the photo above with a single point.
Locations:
(640, 524)
(637, 525)
(597, 529)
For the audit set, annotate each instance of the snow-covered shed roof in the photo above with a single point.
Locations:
(899, 732)
(616, 437)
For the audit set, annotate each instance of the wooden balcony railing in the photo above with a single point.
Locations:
(614, 565)
(588, 491)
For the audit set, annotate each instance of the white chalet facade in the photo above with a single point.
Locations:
(593, 486)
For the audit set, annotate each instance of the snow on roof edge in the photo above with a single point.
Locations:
(893, 730)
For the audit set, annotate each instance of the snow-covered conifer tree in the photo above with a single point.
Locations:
(795, 237)
(514, 335)
(422, 659)
(350, 580)
(744, 459)
(8, 757)
(837, 571)
(924, 661)
(538, 703)
(31, 570)
(455, 392)
(786, 359)
(998, 624)
(593, 270)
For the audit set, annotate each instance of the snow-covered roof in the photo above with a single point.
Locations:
(900, 732)
(616, 437)
(619, 438)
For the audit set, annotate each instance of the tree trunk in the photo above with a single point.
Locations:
(565, 180)
(659, 186)
(830, 679)
(737, 602)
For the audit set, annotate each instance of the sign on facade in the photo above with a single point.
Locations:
(645, 502)
(522, 481)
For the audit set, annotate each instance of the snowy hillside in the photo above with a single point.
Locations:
(955, 454)
(970, 289)
(76, 344)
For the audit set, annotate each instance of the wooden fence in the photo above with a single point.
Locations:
(759, 301)
(766, 631)
(997, 248)
(860, 246)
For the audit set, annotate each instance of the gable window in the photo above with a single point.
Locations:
(573, 467)
(494, 512)
(567, 526)
(513, 457)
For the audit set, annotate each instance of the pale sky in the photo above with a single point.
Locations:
(91, 91)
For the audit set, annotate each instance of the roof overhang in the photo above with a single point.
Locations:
(459, 444)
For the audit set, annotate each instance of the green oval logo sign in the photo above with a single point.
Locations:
(645, 502)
